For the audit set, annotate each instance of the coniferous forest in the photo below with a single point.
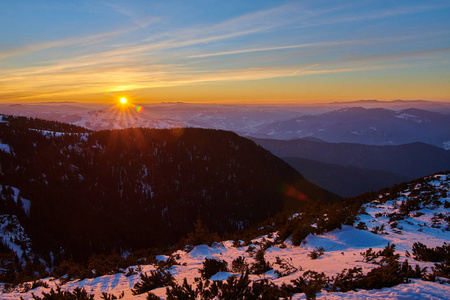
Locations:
(122, 190)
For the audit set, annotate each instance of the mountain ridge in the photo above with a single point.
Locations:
(410, 160)
(124, 178)
(346, 181)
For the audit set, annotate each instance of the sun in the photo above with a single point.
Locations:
(123, 100)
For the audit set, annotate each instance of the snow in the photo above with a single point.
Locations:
(221, 276)
(417, 289)
(202, 251)
(446, 145)
(52, 134)
(26, 204)
(162, 257)
(13, 236)
(343, 249)
(410, 117)
(346, 238)
(5, 147)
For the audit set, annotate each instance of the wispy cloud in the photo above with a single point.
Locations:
(72, 81)
(78, 41)
(429, 54)
(135, 15)
(374, 14)
(321, 44)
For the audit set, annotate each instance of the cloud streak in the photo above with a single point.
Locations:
(67, 81)
(307, 45)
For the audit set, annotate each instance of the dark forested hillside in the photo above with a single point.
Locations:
(137, 188)
(346, 181)
(410, 160)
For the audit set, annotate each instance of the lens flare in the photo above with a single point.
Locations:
(138, 109)
(290, 191)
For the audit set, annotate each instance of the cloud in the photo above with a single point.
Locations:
(373, 14)
(135, 15)
(321, 44)
(124, 78)
(70, 42)
(409, 55)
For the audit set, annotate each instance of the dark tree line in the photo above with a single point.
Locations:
(119, 190)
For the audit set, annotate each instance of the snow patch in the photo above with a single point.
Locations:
(417, 289)
(201, 252)
(5, 147)
(162, 257)
(411, 117)
(344, 239)
(221, 276)
(14, 237)
(446, 145)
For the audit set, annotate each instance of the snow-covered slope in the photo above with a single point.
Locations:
(416, 212)
(12, 234)
(14, 237)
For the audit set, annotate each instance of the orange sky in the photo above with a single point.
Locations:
(233, 52)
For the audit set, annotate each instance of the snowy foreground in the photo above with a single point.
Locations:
(343, 249)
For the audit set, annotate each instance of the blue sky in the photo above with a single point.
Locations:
(224, 51)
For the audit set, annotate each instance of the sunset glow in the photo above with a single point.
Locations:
(123, 100)
(229, 51)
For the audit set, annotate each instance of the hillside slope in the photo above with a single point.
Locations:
(346, 181)
(97, 192)
(397, 241)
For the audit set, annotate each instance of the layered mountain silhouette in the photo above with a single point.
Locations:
(346, 181)
(349, 169)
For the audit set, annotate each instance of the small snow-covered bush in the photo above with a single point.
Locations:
(235, 287)
(154, 280)
(239, 265)
(347, 280)
(130, 271)
(437, 254)
(369, 255)
(260, 266)
(164, 265)
(316, 253)
(310, 283)
(361, 226)
(77, 294)
(287, 267)
(179, 292)
(212, 266)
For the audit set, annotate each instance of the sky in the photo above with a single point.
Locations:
(224, 51)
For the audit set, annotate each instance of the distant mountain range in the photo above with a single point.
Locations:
(375, 126)
(348, 169)
(366, 122)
